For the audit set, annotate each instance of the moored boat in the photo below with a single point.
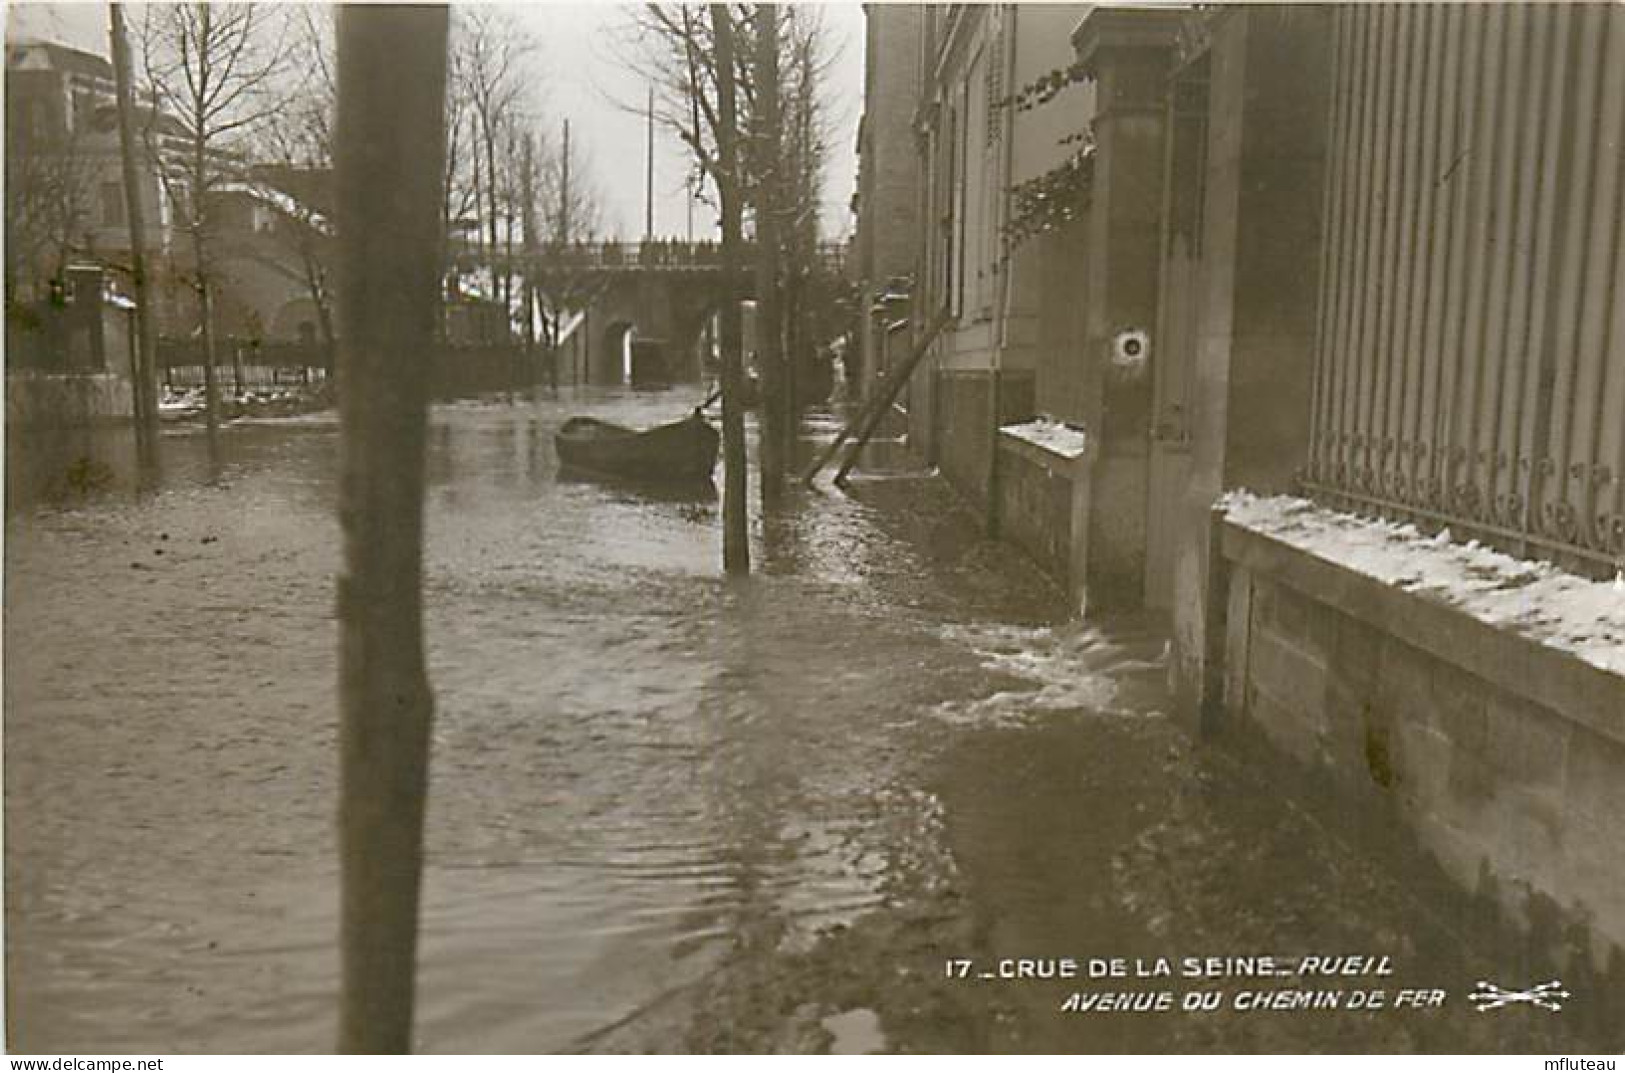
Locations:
(682, 452)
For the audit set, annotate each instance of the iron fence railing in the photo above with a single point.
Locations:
(1470, 365)
(254, 377)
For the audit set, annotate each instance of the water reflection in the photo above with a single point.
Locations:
(665, 808)
(638, 767)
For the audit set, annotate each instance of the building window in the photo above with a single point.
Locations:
(112, 204)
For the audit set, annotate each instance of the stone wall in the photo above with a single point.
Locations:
(970, 404)
(965, 431)
(1034, 507)
(1505, 758)
(66, 400)
(888, 199)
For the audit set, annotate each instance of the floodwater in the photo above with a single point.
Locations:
(668, 812)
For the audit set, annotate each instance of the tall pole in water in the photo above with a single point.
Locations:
(389, 153)
(735, 527)
(769, 311)
(564, 244)
(649, 172)
(145, 378)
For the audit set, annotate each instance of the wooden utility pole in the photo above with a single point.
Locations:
(564, 189)
(145, 383)
(735, 528)
(769, 309)
(389, 153)
(649, 169)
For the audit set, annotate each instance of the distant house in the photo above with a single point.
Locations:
(66, 204)
(273, 254)
(886, 203)
(65, 196)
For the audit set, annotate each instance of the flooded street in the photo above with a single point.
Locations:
(666, 811)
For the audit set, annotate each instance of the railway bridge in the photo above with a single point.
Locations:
(606, 294)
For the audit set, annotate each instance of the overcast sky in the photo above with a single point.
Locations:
(585, 80)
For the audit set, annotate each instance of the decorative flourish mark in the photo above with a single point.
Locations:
(1548, 996)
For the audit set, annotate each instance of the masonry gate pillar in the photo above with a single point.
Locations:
(1126, 52)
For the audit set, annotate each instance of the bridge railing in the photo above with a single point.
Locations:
(654, 253)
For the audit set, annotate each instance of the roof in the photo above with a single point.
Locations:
(279, 200)
(32, 55)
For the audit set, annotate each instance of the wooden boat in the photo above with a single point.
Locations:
(682, 452)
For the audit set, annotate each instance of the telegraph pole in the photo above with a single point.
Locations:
(145, 382)
(649, 171)
(564, 189)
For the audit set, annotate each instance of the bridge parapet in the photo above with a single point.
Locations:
(656, 255)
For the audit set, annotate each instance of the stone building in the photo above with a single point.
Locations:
(66, 201)
(1406, 306)
(65, 185)
(886, 203)
(1362, 263)
(975, 148)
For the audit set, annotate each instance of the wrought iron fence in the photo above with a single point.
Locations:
(1470, 365)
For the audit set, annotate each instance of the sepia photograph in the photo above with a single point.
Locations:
(813, 528)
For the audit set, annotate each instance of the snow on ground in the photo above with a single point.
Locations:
(1536, 599)
(1068, 441)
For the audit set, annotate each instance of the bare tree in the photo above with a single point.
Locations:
(211, 71)
(575, 204)
(698, 77)
(50, 183)
(568, 211)
(726, 172)
(811, 288)
(779, 84)
(766, 173)
(494, 72)
(296, 166)
(675, 45)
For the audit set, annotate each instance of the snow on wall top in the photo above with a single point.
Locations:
(1535, 599)
(1065, 440)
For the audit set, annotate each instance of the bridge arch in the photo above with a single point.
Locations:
(661, 290)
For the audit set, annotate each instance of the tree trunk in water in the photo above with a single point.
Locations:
(388, 149)
(205, 314)
(145, 372)
(792, 361)
(769, 323)
(735, 527)
(315, 284)
(200, 251)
